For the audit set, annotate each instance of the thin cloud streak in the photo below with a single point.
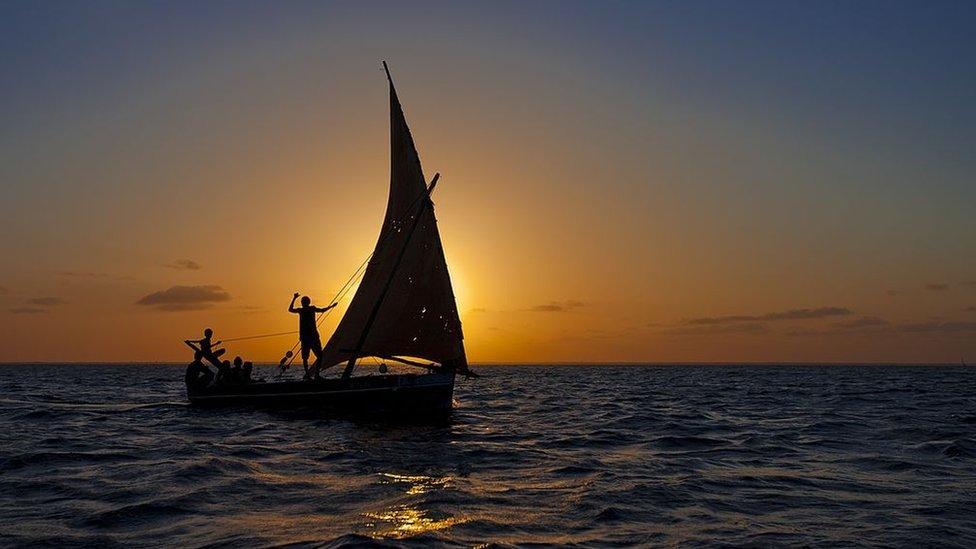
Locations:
(83, 274)
(863, 322)
(27, 311)
(879, 327)
(557, 307)
(718, 329)
(93, 275)
(48, 301)
(184, 265)
(865, 325)
(792, 314)
(939, 327)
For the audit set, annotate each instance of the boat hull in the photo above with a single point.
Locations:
(427, 393)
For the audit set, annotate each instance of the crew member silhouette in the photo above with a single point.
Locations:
(237, 372)
(206, 346)
(308, 332)
(224, 375)
(197, 376)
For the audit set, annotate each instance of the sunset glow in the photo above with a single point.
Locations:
(619, 183)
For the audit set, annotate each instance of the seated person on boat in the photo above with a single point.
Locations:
(198, 376)
(225, 374)
(308, 332)
(237, 372)
(240, 374)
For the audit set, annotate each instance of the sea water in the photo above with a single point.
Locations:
(589, 455)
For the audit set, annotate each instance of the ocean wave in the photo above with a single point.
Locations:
(587, 456)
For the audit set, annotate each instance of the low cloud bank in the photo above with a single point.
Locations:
(48, 301)
(185, 298)
(27, 311)
(557, 306)
(792, 314)
(184, 265)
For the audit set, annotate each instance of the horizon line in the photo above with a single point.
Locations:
(535, 363)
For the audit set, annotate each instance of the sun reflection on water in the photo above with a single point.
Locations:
(402, 521)
(405, 520)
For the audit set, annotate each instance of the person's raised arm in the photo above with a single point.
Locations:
(324, 309)
(291, 306)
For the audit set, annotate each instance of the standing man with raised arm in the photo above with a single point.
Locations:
(308, 332)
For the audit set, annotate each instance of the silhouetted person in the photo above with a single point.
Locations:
(206, 346)
(237, 372)
(197, 376)
(248, 368)
(224, 374)
(308, 332)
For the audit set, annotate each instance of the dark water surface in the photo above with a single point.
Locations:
(671, 455)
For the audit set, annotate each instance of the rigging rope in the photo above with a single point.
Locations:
(259, 336)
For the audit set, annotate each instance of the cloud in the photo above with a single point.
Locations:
(83, 274)
(185, 298)
(939, 327)
(46, 301)
(718, 329)
(184, 265)
(27, 311)
(92, 274)
(478, 310)
(891, 292)
(971, 309)
(863, 322)
(937, 287)
(792, 314)
(557, 307)
(870, 325)
(858, 326)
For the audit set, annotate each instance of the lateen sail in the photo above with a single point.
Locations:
(404, 305)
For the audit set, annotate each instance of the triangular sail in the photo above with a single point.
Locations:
(405, 304)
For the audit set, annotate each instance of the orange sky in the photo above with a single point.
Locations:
(599, 201)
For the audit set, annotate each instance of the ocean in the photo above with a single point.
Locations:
(595, 456)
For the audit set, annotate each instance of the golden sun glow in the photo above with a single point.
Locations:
(587, 213)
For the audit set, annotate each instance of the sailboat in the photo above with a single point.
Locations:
(403, 311)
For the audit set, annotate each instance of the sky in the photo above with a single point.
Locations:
(620, 182)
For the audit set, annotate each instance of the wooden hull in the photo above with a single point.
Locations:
(409, 393)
